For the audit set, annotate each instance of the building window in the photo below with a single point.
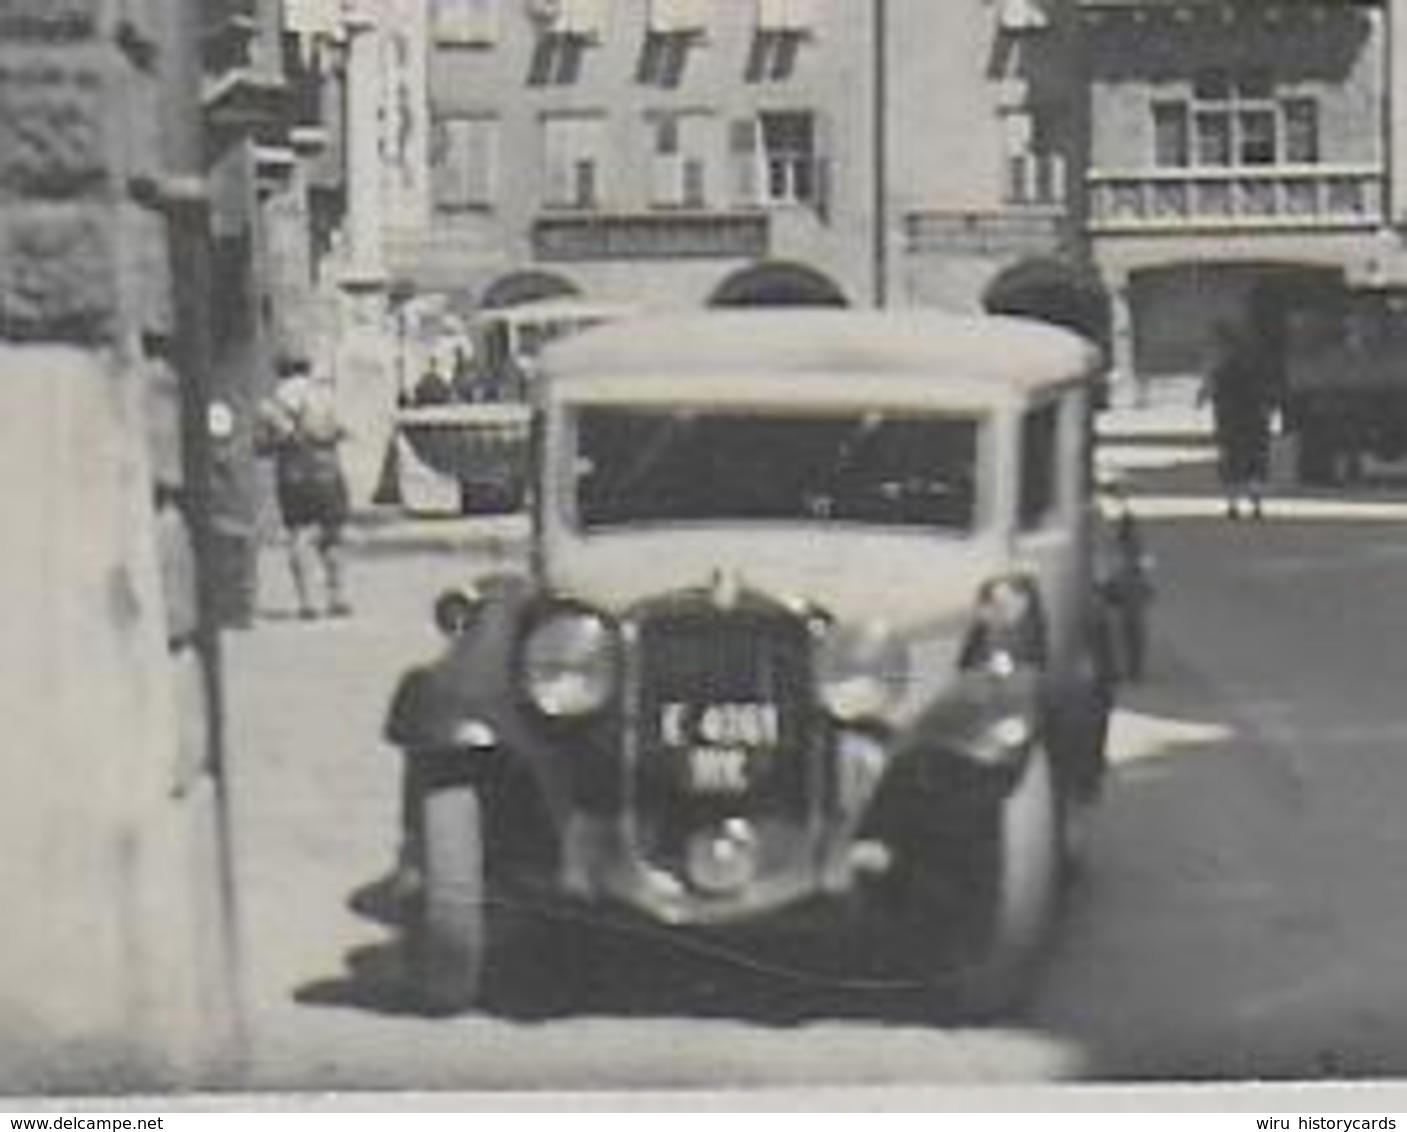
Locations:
(1036, 179)
(464, 163)
(1235, 121)
(789, 158)
(1301, 131)
(782, 25)
(1171, 135)
(573, 152)
(682, 143)
(776, 159)
(472, 23)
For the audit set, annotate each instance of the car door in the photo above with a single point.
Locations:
(1051, 522)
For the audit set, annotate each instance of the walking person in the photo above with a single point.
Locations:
(1238, 386)
(299, 430)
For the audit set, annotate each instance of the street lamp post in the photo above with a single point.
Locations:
(400, 295)
(879, 32)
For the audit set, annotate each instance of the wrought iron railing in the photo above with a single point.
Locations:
(1278, 196)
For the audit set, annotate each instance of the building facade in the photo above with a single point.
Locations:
(1196, 153)
(1238, 154)
(684, 152)
(117, 964)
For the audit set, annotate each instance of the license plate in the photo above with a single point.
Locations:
(749, 724)
(720, 742)
(720, 770)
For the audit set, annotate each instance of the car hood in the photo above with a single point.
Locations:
(910, 582)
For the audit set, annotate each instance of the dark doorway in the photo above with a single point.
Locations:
(778, 284)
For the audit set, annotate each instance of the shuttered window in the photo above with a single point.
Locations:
(745, 158)
(573, 156)
(683, 152)
(465, 163)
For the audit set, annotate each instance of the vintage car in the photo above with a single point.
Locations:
(810, 639)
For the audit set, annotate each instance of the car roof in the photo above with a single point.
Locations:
(976, 357)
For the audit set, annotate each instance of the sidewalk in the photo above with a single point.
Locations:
(391, 530)
(1167, 411)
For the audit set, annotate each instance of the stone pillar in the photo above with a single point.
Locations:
(365, 211)
(116, 954)
(1128, 386)
(1395, 127)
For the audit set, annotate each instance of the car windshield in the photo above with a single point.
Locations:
(699, 465)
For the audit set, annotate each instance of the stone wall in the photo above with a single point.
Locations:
(116, 952)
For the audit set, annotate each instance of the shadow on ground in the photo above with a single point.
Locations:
(573, 968)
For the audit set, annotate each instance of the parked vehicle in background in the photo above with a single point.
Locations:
(1346, 381)
(479, 437)
(812, 648)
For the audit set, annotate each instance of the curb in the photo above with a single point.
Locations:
(399, 533)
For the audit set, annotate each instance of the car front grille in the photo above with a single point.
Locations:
(725, 730)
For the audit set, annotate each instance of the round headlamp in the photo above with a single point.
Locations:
(569, 664)
(860, 673)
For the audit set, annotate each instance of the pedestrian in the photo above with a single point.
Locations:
(299, 430)
(1238, 385)
(433, 388)
(465, 379)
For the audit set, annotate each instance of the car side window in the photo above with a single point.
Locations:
(1040, 435)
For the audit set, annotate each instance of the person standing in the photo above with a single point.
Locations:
(299, 430)
(1238, 385)
(433, 388)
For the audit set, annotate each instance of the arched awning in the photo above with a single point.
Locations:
(777, 283)
(1054, 291)
(526, 287)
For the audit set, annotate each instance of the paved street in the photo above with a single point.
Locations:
(1242, 915)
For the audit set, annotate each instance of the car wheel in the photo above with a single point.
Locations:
(1022, 893)
(449, 937)
(1078, 714)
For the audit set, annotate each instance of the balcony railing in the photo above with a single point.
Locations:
(1273, 197)
(670, 234)
(1007, 233)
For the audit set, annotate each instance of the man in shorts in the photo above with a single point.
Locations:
(299, 430)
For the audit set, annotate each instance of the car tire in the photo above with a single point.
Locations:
(449, 939)
(1022, 894)
(1079, 711)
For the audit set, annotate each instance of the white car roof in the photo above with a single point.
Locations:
(972, 359)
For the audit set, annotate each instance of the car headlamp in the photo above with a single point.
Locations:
(570, 664)
(860, 673)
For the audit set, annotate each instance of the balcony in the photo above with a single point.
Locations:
(675, 234)
(244, 86)
(1009, 234)
(1273, 198)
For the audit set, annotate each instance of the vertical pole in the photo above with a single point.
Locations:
(880, 174)
(364, 170)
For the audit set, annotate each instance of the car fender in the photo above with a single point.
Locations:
(948, 758)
